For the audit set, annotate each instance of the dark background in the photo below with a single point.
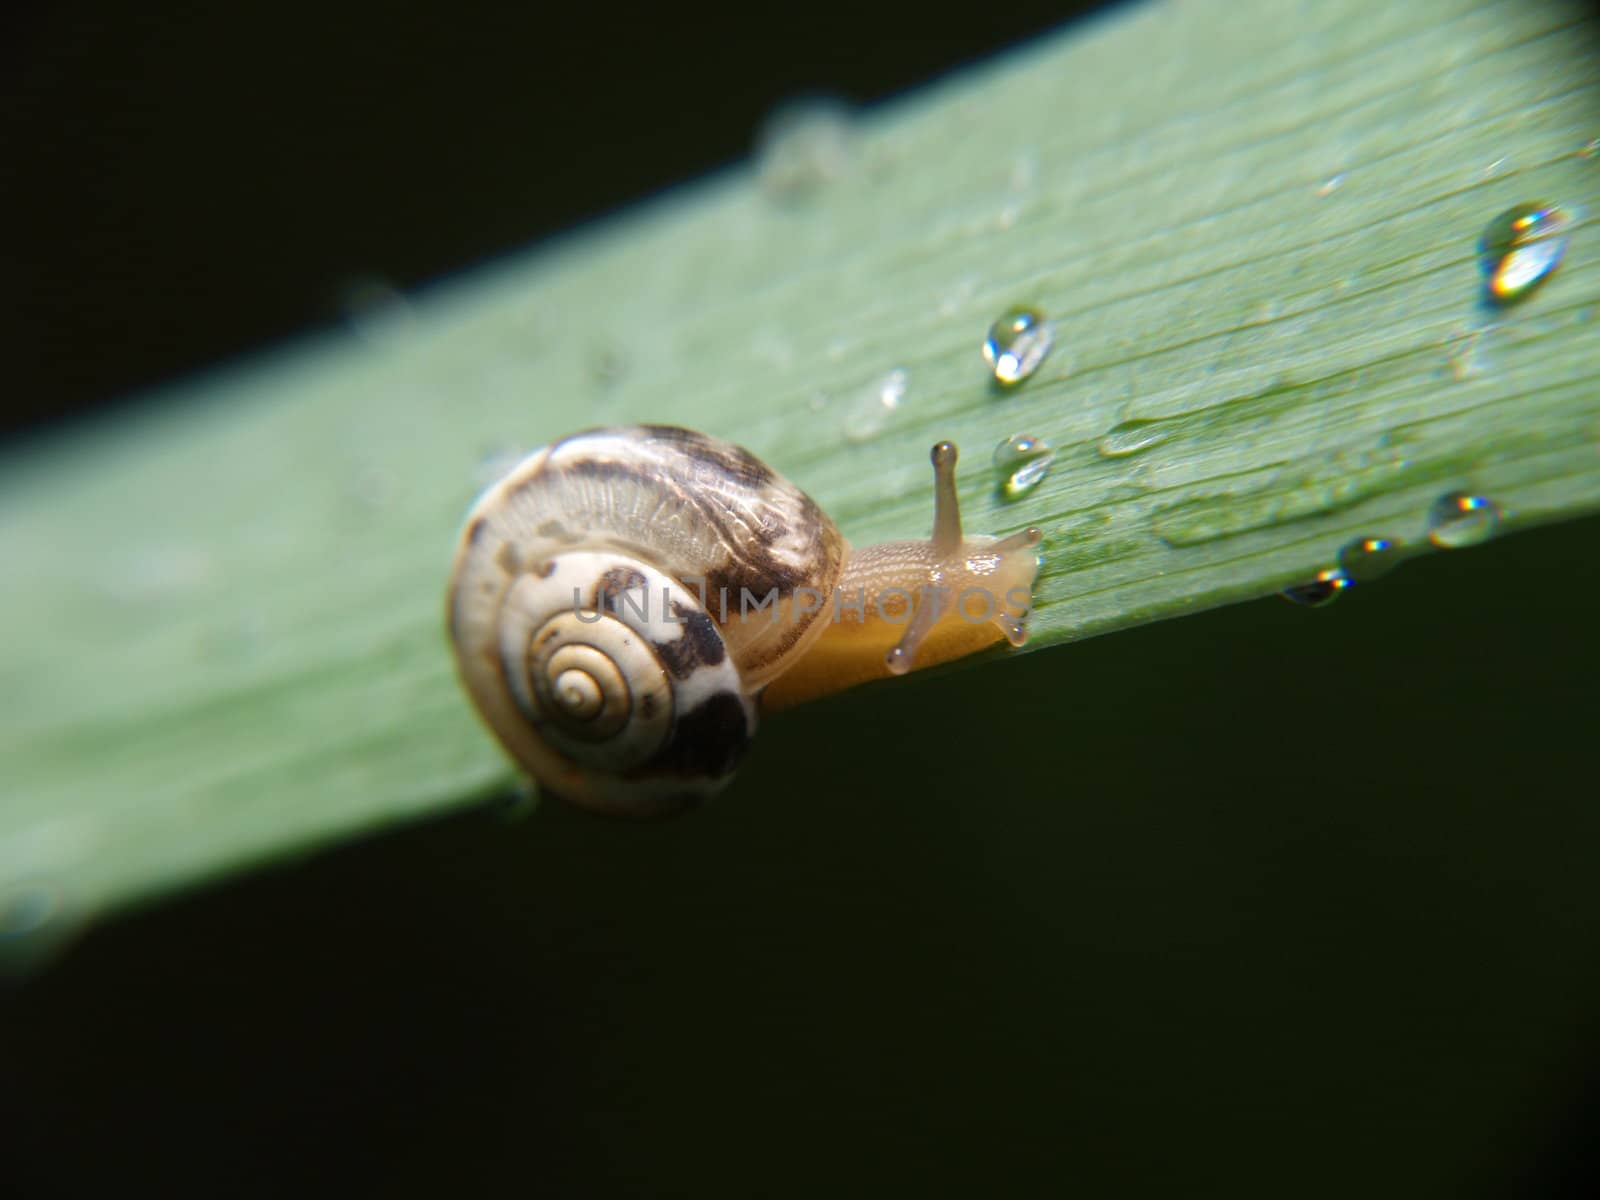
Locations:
(1309, 909)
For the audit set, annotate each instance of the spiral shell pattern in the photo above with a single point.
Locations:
(703, 511)
(607, 681)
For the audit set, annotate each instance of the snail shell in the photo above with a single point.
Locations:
(597, 609)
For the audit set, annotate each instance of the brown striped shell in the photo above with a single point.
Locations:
(598, 609)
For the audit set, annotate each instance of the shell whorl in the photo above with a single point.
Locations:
(605, 678)
(704, 511)
(577, 617)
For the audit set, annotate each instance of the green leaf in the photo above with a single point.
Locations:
(1255, 226)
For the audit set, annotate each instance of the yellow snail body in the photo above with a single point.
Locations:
(625, 600)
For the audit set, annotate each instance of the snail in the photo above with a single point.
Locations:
(624, 601)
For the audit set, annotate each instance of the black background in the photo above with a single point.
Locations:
(1310, 909)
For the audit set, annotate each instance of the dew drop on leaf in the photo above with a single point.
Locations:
(1520, 248)
(1320, 592)
(1017, 343)
(1130, 437)
(1459, 519)
(1022, 460)
(376, 311)
(1368, 558)
(805, 145)
(871, 409)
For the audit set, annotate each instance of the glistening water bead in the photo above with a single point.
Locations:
(1365, 559)
(1017, 344)
(871, 409)
(1321, 591)
(1023, 460)
(805, 145)
(1458, 519)
(1520, 248)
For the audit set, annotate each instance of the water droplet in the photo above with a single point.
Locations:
(1023, 460)
(376, 311)
(1017, 344)
(1130, 437)
(872, 409)
(804, 146)
(1521, 247)
(1459, 519)
(1330, 185)
(1368, 558)
(1321, 591)
(1590, 149)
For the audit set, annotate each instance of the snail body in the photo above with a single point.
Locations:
(625, 601)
